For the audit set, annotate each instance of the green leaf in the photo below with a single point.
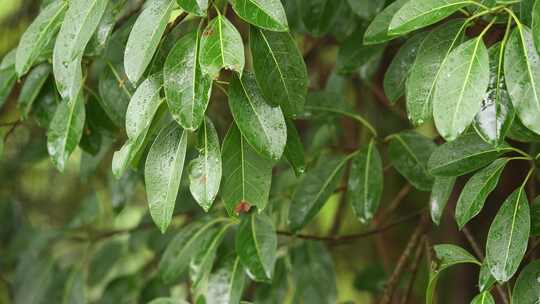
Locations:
(80, 22)
(521, 133)
(448, 255)
(460, 88)
(464, 155)
(431, 56)
(294, 150)
(483, 298)
(203, 260)
(98, 43)
(318, 16)
(366, 9)
(167, 301)
(143, 106)
(145, 35)
(9, 60)
(417, 14)
(314, 191)
(256, 246)
(65, 130)
(312, 260)
(39, 35)
(115, 92)
(265, 14)
(365, 183)
(527, 289)
(440, 193)
(205, 170)
(226, 284)
(31, 88)
(508, 236)
(522, 74)
(262, 125)
(474, 194)
(377, 31)
(535, 217)
(75, 289)
(195, 7)
(352, 54)
(7, 81)
(163, 171)
(397, 73)
(179, 252)
(536, 25)
(496, 114)
(221, 47)
(409, 153)
(280, 70)
(276, 292)
(248, 175)
(187, 89)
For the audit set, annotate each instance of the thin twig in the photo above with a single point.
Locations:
(10, 131)
(396, 201)
(413, 242)
(415, 266)
(338, 240)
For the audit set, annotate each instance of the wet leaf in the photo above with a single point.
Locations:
(483, 298)
(7, 81)
(187, 89)
(115, 91)
(508, 236)
(440, 193)
(226, 283)
(196, 7)
(262, 125)
(31, 88)
(265, 14)
(143, 106)
(163, 171)
(377, 31)
(527, 287)
(294, 150)
(536, 25)
(352, 54)
(318, 16)
(256, 246)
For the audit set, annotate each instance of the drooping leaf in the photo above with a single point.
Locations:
(318, 16)
(221, 47)
(98, 43)
(39, 35)
(522, 74)
(178, 254)
(431, 56)
(262, 125)
(65, 130)
(31, 88)
(496, 114)
(312, 260)
(205, 170)
(265, 14)
(377, 31)
(483, 298)
(464, 155)
(485, 279)
(352, 54)
(421, 13)
(474, 194)
(143, 106)
(80, 22)
(409, 153)
(460, 88)
(248, 175)
(145, 36)
(400, 67)
(521, 133)
(203, 260)
(196, 7)
(366, 9)
(527, 288)
(294, 150)
(508, 236)
(226, 284)
(115, 91)
(256, 246)
(280, 70)
(162, 173)
(442, 188)
(448, 255)
(365, 183)
(186, 87)
(314, 190)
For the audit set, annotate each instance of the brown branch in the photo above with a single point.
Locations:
(413, 242)
(400, 196)
(415, 266)
(10, 131)
(339, 240)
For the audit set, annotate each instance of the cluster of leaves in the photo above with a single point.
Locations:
(99, 70)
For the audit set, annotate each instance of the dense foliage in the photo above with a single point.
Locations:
(263, 141)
